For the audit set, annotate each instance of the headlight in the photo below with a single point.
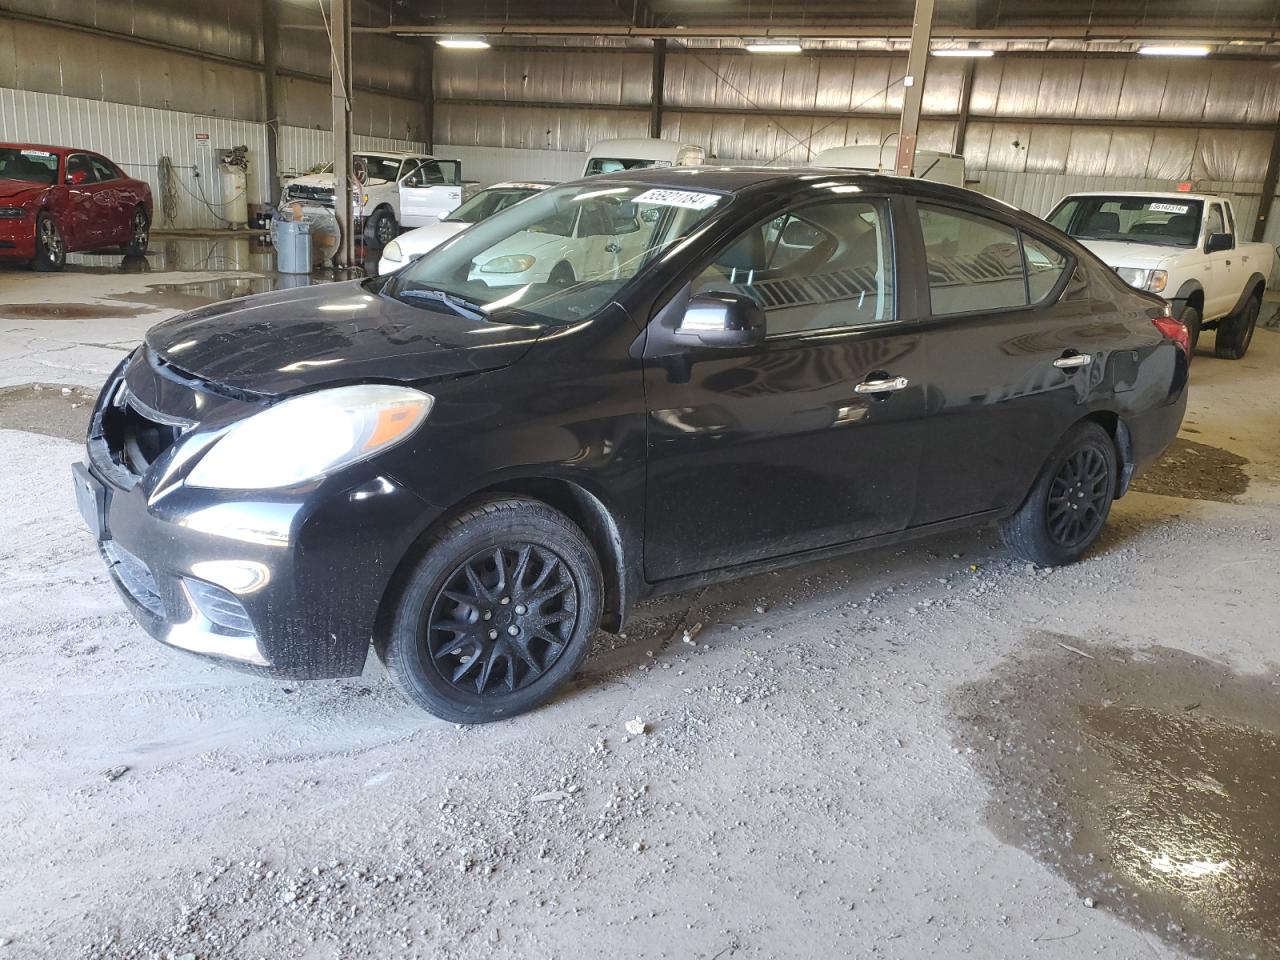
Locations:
(1133, 276)
(1157, 281)
(309, 436)
(392, 252)
(515, 264)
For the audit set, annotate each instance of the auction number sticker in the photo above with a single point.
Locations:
(1169, 208)
(689, 199)
(42, 154)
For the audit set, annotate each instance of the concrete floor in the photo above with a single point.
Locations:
(930, 751)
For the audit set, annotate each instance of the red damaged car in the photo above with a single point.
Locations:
(56, 200)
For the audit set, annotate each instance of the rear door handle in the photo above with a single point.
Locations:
(887, 385)
(1072, 360)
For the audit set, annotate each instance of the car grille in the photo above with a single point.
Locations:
(134, 436)
(321, 195)
(133, 576)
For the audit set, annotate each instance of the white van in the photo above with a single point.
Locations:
(929, 164)
(610, 156)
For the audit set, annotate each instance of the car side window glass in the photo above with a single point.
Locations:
(414, 177)
(1044, 267)
(429, 173)
(821, 266)
(79, 169)
(102, 170)
(1231, 221)
(975, 263)
(1213, 224)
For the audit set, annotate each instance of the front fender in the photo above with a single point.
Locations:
(1178, 302)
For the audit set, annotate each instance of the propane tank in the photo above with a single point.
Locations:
(233, 174)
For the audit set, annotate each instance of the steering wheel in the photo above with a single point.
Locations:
(360, 169)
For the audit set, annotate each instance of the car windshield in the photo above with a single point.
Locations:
(488, 202)
(618, 164)
(376, 167)
(559, 256)
(37, 166)
(1165, 221)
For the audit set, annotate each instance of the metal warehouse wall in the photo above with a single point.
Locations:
(1038, 126)
(136, 137)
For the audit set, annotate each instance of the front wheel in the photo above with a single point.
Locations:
(381, 228)
(1191, 320)
(1235, 333)
(1066, 509)
(51, 248)
(496, 615)
(139, 234)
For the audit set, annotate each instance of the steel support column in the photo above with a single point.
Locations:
(913, 94)
(270, 99)
(657, 91)
(966, 98)
(340, 89)
(1269, 182)
(427, 90)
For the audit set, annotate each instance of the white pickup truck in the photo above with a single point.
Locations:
(395, 190)
(1182, 246)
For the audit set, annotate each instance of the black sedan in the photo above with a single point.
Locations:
(622, 386)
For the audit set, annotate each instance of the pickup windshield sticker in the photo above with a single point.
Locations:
(1168, 208)
(689, 199)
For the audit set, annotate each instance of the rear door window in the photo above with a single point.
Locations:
(80, 169)
(1045, 267)
(103, 170)
(974, 263)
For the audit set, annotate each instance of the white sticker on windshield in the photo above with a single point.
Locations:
(45, 154)
(1169, 208)
(689, 199)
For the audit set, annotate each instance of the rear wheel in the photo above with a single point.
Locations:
(1068, 506)
(1235, 333)
(497, 614)
(1191, 320)
(51, 248)
(139, 233)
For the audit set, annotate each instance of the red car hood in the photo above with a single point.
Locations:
(12, 191)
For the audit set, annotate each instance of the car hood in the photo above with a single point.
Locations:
(429, 237)
(524, 242)
(1117, 253)
(325, 180)
(18, 191)
(291, 341)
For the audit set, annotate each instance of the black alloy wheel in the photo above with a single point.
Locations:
(1078, 497)
(502, 619)
(492, 612)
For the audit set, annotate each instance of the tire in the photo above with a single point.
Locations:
(51, 246)
(1191, 320)
(1235, 333)
(1081, 472)
(457, 649)
(139, 233)
(381, 228)
(562, 276)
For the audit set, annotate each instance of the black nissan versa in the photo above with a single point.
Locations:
(621, 386)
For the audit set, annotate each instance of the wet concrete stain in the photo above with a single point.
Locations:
(1196, 471)
(65, 311)
(1149, 779)
(45, 409)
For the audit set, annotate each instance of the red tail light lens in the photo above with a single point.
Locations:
(1176, 331)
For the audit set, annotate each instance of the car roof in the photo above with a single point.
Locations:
(393, 154)
(50, 149)
(1162, 194)
(518, 184)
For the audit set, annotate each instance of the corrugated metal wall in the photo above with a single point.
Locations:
(136, 137)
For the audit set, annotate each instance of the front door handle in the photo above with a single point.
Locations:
(1072, 360)
(886, 385)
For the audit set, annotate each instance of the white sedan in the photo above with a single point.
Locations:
(480, 207)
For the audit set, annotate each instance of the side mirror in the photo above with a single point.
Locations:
(1219, 241)
(722, 320)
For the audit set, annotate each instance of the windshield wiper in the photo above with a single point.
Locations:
(459, 305)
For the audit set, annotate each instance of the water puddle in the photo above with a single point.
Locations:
(64, 311)
(1196, 471)
(1150, 780)
(46, 409)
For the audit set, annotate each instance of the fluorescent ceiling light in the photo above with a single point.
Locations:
(1174, 51)
(774, 48)
(463, 44)
(962, 52)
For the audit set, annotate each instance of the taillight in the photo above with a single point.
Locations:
(1175, 330)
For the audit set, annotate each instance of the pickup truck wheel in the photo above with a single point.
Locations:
(1235, 333)
(497, 614)
(1191, 320)
(381, 228)
(1069, 504)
